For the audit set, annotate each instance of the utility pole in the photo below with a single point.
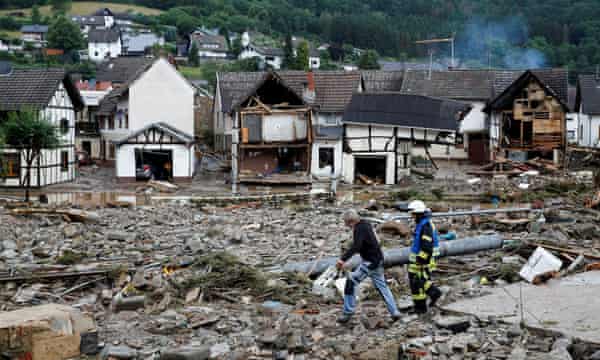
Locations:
(437, 41)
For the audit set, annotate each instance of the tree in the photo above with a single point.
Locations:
(236, 47)
(289, 60)
(29, 133)
(302, 55)
(36, 17)
(185, 25)
(60, 6)
(369, 60)
(193, 57)
(64, 34)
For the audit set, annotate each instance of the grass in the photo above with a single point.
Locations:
(10, 34)
(88, 7)
(192, 73)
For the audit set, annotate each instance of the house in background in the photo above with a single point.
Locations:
(587, 105)
(269, 57)
(120, 70)
(140, 44)
(51, 92)
(381, 130)
(149, 122)
(34, 34)
(87, 23)
(104, 44)
(87, 133)
(210, 45)
(528, 118)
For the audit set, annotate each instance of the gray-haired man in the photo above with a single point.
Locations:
(364, 243)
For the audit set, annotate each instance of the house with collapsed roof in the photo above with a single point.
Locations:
(479, 137)
(383, 130)
(528, 117)
(50, 92)
(147, 123)
(323, 95)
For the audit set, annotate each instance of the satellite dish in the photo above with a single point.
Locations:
(245, 39)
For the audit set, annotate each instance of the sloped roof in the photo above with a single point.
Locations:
(556, 79)
(202, 38)
(333, 89)
(110, 101)
(552, 82)
(89, 20)
(34, 88)
(140, 42)
(121, 69)
(588, 94)
(379, 80)
(162, 127)
(36, 29)
(413, 111)
(454, 84)
(104, 35)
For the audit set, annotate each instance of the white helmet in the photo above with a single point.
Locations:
(417, 207)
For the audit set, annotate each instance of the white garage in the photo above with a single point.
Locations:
(157, 151)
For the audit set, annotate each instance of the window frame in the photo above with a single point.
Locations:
(16, 166)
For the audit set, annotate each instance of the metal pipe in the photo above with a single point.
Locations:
(456, 213)
(399, 256)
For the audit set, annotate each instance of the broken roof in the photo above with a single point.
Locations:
(175, 133)
(411, 111)
(546, 80)
(34, 88)
(333, 89)
(104, 35)
(382, 81)
(588, 94)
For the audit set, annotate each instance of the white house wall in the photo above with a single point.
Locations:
(162, 94)
(475, 119)
(283, 127)
(183, 159)
(99, 51)
(349, 162)
(590, 128)
(572, 120)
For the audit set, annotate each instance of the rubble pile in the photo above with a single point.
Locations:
(173, 281)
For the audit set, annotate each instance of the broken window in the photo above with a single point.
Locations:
(326, 158)
(10, 165)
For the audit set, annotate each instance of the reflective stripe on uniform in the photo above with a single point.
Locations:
(420, 296)
(426, 237)
(423, 255)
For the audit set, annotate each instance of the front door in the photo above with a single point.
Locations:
(87, 147)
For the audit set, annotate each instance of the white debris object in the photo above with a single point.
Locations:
(540, 262)
(474, 181)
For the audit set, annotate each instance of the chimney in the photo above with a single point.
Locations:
(308, 93)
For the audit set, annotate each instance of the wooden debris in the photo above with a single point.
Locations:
(567, 251)
(73, 215)
(365, 179)
(592, 267)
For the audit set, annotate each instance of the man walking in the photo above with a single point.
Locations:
(364, 243)
(422, 260)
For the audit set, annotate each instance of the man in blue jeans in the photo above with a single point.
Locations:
(364, 243)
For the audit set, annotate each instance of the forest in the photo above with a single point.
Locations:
(498, 33)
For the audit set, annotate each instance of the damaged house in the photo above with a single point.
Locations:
(381, 130)
(326, 92)
(271, 137)
(528, 118)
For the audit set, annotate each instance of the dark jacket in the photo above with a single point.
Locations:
(365, 243)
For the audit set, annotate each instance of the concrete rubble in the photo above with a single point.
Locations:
(195, 280)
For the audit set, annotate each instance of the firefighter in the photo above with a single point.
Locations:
(423, 254)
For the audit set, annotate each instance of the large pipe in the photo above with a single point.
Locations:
(457, 213)
(399, 256)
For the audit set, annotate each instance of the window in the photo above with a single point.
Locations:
(64, 161)
(111, 123)
(571, 134)
(326, 158)
(96, 53)
(10, 165)
(64, 125)
(330, 120)
(126, 121)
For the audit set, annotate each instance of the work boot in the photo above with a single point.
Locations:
(344, 318)
(434, 295)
